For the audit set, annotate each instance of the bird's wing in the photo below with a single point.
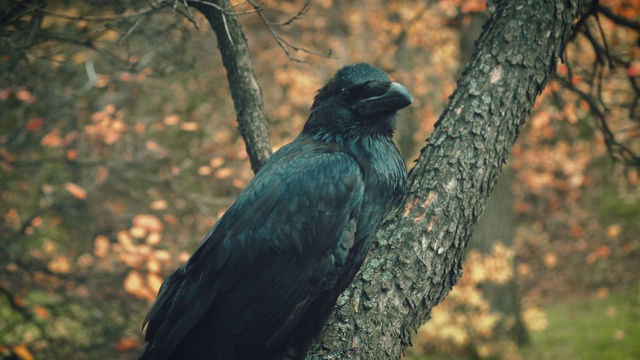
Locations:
(270, 254)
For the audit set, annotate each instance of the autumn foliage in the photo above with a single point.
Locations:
(118, 152)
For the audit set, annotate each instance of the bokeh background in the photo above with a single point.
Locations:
(119, 150)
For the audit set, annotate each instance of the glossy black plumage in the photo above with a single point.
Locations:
(266, 277)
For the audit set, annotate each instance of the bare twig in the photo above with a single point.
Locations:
(295, 17)
(283, 43)
(620, 20)
(152, 8)
(615, 148)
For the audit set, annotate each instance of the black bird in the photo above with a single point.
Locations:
(264, 280)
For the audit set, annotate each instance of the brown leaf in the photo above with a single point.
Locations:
(102, 174)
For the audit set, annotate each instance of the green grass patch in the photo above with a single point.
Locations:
(607, 328)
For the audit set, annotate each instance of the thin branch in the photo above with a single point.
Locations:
(620, 20)
(284, 44)
(615, 148)
(154, 7)
(297, 16)
(224, 11)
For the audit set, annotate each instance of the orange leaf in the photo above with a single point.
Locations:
(41, 311)
(101, 246)
(189, 126)
(159, 204)
(223, 173)
(204, 170)
(23, 352)
(52, 139)
(76, 191)
(133, 283)
(170, 120)
(634, 69)
(153, 265)
(72, 154)
(126, 344)
(613, 231)
(170, 219)
(138, 232)
(60, 265)
(162, 255)
(125, 240)
(154, 238)
(24, 95)
(603, 251)
(34, 124)
(550, 260)
(216, 162)
(183, 257)
(152, 145)
(154, 282)
(148, 222)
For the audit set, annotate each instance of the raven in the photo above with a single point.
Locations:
(266, 277)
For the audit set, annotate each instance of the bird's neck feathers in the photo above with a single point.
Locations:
(331, 123)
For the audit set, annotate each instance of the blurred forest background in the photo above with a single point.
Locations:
(119, 150)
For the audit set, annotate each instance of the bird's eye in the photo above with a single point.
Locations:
(344, 92)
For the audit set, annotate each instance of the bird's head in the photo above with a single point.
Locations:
(359, 100)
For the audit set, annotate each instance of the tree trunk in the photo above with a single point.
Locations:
(420, 244)
(497, 222)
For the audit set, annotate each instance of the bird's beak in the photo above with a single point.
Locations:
(397, 97)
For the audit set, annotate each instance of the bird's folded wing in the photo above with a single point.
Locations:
(269, 256)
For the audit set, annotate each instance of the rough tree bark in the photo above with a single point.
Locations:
(417, 258)
(245, 90)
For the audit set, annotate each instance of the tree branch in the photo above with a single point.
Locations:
(245, 90)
